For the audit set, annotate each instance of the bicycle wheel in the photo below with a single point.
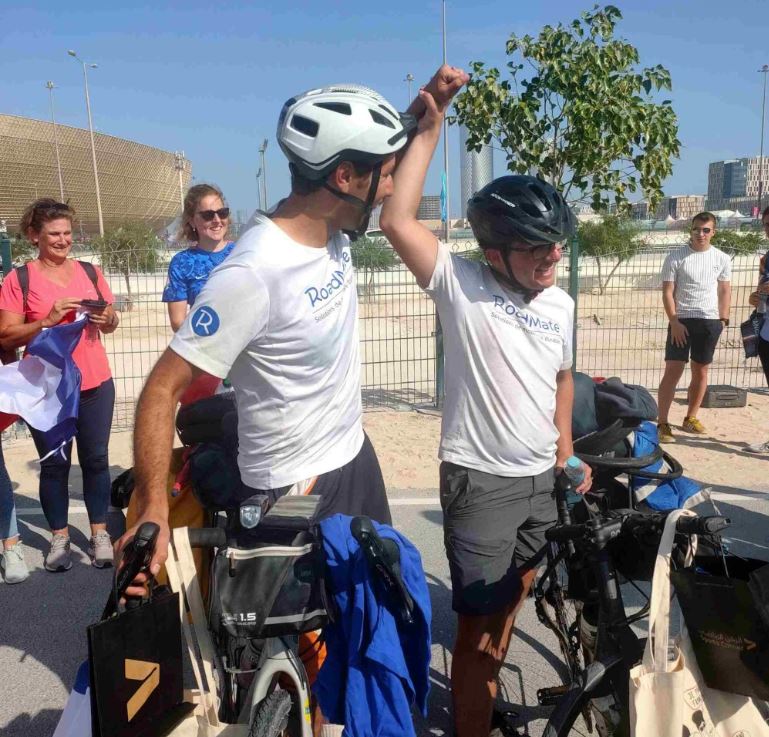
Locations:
(270, 717)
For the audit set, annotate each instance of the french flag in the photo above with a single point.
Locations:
(43, 388)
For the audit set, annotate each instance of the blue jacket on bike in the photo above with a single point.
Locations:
(375, 667)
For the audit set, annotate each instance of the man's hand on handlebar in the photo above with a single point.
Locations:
(160, 518)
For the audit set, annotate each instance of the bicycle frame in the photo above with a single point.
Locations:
(609, 671)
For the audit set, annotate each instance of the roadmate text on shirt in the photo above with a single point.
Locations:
(502, 359)
(281, 320)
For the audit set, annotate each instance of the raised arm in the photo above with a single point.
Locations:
(415, 244)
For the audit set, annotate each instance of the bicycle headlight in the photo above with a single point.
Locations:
(252, 510)
(250, 516)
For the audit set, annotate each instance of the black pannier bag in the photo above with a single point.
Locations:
(723, 618)
(273, 586)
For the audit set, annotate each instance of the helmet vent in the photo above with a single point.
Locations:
(304, 125)
(389, 111)
(335, 107)
(377, 117)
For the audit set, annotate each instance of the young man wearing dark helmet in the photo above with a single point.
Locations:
(509, 391)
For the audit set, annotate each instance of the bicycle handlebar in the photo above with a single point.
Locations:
(384, 558)
(207, 537)
(601, 531)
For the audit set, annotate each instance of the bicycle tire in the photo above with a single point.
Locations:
(270, 717)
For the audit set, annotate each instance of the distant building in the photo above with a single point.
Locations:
(639, 210)
(429, 207)
(476, 169)
(680, 207)
(733, 184)
(138, 183)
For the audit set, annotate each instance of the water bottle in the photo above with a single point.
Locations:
(574, 471)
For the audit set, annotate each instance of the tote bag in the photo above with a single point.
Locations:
(670, 699)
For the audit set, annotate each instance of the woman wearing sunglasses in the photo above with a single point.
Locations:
(205, 222)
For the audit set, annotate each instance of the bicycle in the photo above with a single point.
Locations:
(262, 680)
(581, 585)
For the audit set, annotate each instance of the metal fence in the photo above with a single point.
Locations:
(621, 326)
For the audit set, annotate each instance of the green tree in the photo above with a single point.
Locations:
(738, 244)
(576, 111)
(370, 255)
(22, 251)
(611, 239)
(131, 248)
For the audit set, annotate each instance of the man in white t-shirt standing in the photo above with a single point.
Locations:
(509, 392)
(696, 295)
(280, 318)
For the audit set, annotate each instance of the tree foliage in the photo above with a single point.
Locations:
(131, 248)
(735, 243)
(370, 255)
(611, 239)
(22, 251)
(576, 111)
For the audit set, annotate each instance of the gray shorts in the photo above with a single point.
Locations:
(493, 528)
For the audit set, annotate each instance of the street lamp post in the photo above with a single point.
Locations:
(258, 188)
(49, 85)
(90, 129)
(179, 166)
(764, 69)
(409, 79)
(262, 149)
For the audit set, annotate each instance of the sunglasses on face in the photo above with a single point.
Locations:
(539, 252)
(702, 230)
(208, 215)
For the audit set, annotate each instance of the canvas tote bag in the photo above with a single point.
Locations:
(182, 575)
(669, 698)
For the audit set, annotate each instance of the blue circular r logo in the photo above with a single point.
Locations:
(205, 321)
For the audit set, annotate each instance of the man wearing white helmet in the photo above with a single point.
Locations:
(280, 319)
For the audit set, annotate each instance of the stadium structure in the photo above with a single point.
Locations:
(138, 183)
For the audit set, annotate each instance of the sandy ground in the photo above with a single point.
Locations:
(407, 445)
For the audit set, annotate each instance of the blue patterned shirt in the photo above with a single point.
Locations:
(189, 271)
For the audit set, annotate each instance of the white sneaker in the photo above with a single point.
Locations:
(14, 568)
(758, 447)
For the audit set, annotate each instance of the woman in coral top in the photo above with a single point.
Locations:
(57, 285)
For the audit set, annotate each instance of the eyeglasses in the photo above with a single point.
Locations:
(702, 230)
(208, 215)
(539, 252)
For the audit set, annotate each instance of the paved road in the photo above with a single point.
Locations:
(43, 621)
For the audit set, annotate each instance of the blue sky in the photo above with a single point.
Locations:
(210, 78)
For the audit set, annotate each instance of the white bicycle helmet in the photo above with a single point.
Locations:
(320, 128)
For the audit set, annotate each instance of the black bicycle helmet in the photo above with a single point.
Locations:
(515, 213)
(520, 210)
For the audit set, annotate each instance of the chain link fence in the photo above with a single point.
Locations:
(621, 326)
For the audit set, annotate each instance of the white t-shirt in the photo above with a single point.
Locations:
(281, 319)
(696, 275)
(502, 357)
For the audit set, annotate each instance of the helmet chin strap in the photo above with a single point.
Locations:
(510, 281)
(366, 206)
